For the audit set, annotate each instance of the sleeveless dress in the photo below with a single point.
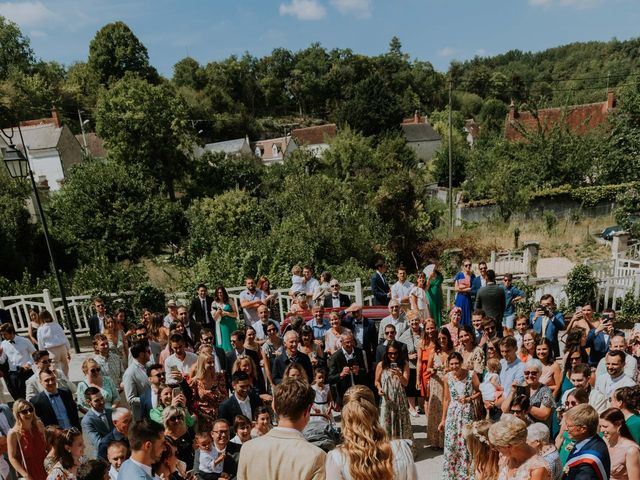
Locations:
(436, 392)
(225, 325)
(434, 296)
(457, 460)
(425, 377)
(394, 412)
(34, 450)
(524, 471)
(463, 300)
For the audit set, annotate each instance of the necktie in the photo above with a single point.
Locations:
(545, 321)
(54, 395)
(204, 309)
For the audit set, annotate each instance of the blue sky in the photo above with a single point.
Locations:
(434, 30)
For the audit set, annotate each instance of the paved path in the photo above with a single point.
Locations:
(553, 267)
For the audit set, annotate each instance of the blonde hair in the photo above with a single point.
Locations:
(18, 406)
(242, 359)
(201, 371)
(86, 363)
(357, 393)
(510, 430)
(168, 412)
(493, 365)
(296, 270)
(365, 444)
(584, 415)
(484, 458)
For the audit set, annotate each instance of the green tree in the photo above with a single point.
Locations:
(188, 73)
(115, 50)
(16, 52)
(145, 126)
(109, 209)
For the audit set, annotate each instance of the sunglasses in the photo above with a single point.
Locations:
(532, 373)
(515, 412)
(207, 339)
(389, 333)
(467, 265)
(176, 418)
(392, 353)
(94, 370)
(221, 432)
(26, 411)
(271, 330)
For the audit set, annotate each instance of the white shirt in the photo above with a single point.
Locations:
(606, 385)
(335, 301)
(311, 285)
(596, 399)
(258, 327)
(18, 353)
(113, 473)
(51, 335)
(245, 406)
(630, 366)
(400, 290)
(183, 366)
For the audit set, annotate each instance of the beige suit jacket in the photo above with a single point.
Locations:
(281, 454)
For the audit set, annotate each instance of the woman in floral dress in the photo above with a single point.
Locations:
(209, 389)
(461, 388)
(392, 377)
(436, 367)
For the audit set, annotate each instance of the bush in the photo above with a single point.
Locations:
(581, 286)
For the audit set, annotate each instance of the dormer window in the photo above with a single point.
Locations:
(274, 150)
(258, 152)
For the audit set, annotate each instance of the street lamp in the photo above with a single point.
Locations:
(18, 167)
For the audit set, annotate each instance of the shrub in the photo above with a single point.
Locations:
(581, 286)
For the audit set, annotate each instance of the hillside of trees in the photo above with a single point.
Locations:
(219, 219)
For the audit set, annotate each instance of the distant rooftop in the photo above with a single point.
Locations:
(228, 146)
(314, 135)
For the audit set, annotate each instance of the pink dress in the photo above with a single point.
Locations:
(524, 471)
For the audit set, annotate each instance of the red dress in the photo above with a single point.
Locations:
(34, 450)
(424, 375)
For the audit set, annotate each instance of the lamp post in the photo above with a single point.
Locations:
(18, 167)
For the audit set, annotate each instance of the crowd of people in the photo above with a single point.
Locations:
(209, 390)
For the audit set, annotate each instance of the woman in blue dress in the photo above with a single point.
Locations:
(463, 281)
(225, 316)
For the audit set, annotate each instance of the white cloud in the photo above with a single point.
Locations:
(579, 4)
(359, 8)
(481, 51)
(447, 52)
(303, 9)
(28, 14)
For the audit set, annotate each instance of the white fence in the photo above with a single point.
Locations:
(508, 262)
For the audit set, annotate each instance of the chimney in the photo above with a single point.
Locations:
(55, 117)
(416, 117)
(512, 111)
(611, 100)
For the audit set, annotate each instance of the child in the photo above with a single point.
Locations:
(321, 409)
(242, 427)
(208, 456)
(297, 281)
(490, 385)
(522, 325)
(262, 425)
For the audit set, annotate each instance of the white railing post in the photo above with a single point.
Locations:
(358, 291)
(49, 303)
(636, 287)
(493, 260)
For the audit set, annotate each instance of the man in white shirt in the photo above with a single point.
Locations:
(178, 364)
(618, 342)
(172, 313)
(310, 284)
(263, 323)
(401, 289)
(615, 377)
(580, 375)
(242, 402)
(41, 361)
(17, 352)
(396, 318)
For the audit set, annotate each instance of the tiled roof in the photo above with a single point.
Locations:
(266, 147)
(579, 118)
(94, 143)
(228, 146)
(40, 137)
(314, 135)
(419, 132)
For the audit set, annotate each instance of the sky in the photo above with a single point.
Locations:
(437, 31)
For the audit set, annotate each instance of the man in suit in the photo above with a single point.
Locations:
(147, 444)
(290, 355)
(379, 286)
(96, 322)
(599, 337)
(548, 322)
(142, 334)
(55, 406)
(221, 433)
(336, 300)
(200, 309)
(479, 281)
(97, 423)
(589, 458)
(242, 402)
(347, 367)
(491, 298)
(42, 361)
(191, 329)
(271, 456)
(120, 433)
(364, 331)
(237, 342)
(135, 379)
(390, 333)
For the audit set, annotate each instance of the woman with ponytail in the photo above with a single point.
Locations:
(366, 452)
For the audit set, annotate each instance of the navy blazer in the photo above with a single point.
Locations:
(380, 288)
(45, 412)
(95, 428)
(598, 345)
(282, 361)
(146, 404)
(369, 336)
(230, 407)
(590, 462)
(94, 325)
(553, 329)
(337, 362)
(345, 301)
